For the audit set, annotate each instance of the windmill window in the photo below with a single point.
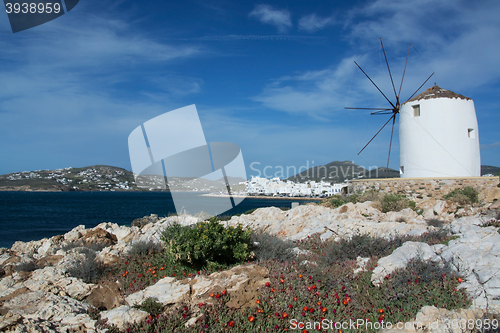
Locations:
(402, 169)
(416, 110)
(471, 133)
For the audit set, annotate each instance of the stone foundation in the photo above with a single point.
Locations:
(422, 187)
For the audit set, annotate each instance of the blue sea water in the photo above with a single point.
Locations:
(26, 216)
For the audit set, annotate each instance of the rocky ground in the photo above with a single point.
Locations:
(37, 293)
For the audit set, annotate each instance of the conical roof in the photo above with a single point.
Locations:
(437, 92)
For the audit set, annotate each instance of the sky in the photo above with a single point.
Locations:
(273, 77)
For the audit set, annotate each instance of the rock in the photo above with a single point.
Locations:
(9, 320)
(45, 306)
(105, 296)
(124, 315)
(167, 290)
(489, 194)
(50, 260)
(98, 236)
(75, 233)
(400, 258)
(141, 222)
(242, 283)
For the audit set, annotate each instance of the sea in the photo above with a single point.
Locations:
(27, 216)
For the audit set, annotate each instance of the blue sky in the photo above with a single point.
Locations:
(271, 76)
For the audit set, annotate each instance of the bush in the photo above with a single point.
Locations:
(151, 306)
(87, 267)
(143, 247)
(435, 223)
(272, 247)
(463, 196)
(395, 203)
(207, 242)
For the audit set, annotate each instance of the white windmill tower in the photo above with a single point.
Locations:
(438, 132)
(438, 136)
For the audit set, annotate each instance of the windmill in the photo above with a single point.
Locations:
(393, 110)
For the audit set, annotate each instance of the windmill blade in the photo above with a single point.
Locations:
(390, 145)
(421, 86)
(374, 84)
(381, 113)
(404, 71)
(352, 108)
(389, 69)
(393, 116)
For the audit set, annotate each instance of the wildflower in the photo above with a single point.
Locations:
(380, 310)
(224, 292)
(268, 284)
(284, 315)
(251, 318)
(300, 276)
(460, 280)
(200, 304)
(211, 294)
(290, 306)
(257, 301)
(282, 281)
(230, 323)
(306, 308)
(217, 296)
(324, 310)
(260, 311)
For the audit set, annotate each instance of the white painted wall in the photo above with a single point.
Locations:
(437, 143)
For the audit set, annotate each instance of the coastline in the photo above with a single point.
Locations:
(260, 197)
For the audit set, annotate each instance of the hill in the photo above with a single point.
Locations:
(91, 178)
(338, 171)
(488, 169)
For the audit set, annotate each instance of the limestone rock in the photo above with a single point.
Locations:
(167, 290)
(124, 315)
(400, 258)
(106, 296)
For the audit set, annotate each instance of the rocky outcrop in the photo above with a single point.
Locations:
(37, 293)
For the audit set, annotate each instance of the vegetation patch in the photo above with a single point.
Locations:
(463, 196)
(325, 287)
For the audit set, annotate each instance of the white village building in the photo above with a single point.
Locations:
(438, 136)
(277, 187)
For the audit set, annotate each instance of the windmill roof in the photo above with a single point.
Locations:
(437, 92)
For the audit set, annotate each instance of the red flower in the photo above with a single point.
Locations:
(284, 315)
(257, 301)
(380, 310)
(290, 306)
(268, 284)
(251, 318)
(231, 323)
(324, 310)
(306, 308)
(460, 280)
(282, 281)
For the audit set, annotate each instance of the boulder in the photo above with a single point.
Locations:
(167, 290)
(400, 257)
(123, 316)
(105, 296)
(489, 194)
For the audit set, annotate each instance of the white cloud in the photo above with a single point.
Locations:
(281, 19)
(312, 22)
(491, 145)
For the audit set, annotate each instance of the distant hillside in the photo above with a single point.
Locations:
(488, 169)
(91, 178)
(338, 171)
(103, 178)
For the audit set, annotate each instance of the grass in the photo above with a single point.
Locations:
(463, 196)
(328, 289)
(383, 202)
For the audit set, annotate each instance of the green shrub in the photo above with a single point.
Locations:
(207, 242)
(463, 196)
(272, 247)
(151, 306)
(394, 203)
(336, 201)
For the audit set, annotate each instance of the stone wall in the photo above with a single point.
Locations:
(422, 187)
